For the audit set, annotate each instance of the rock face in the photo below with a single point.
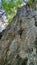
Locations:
(3, 22)
(18, 45)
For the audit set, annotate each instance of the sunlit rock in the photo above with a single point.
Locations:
(3, 20)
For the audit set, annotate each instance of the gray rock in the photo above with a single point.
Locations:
(18, 42)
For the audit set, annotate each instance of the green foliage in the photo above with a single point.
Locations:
(11, 6)
(30, 2)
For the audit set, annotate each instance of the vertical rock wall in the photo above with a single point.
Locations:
(18, 45)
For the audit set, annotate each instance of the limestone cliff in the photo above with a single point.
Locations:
(18, 45)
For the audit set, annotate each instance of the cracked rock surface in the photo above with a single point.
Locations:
(18, 45)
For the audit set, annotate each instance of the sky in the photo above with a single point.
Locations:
(0, 0)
